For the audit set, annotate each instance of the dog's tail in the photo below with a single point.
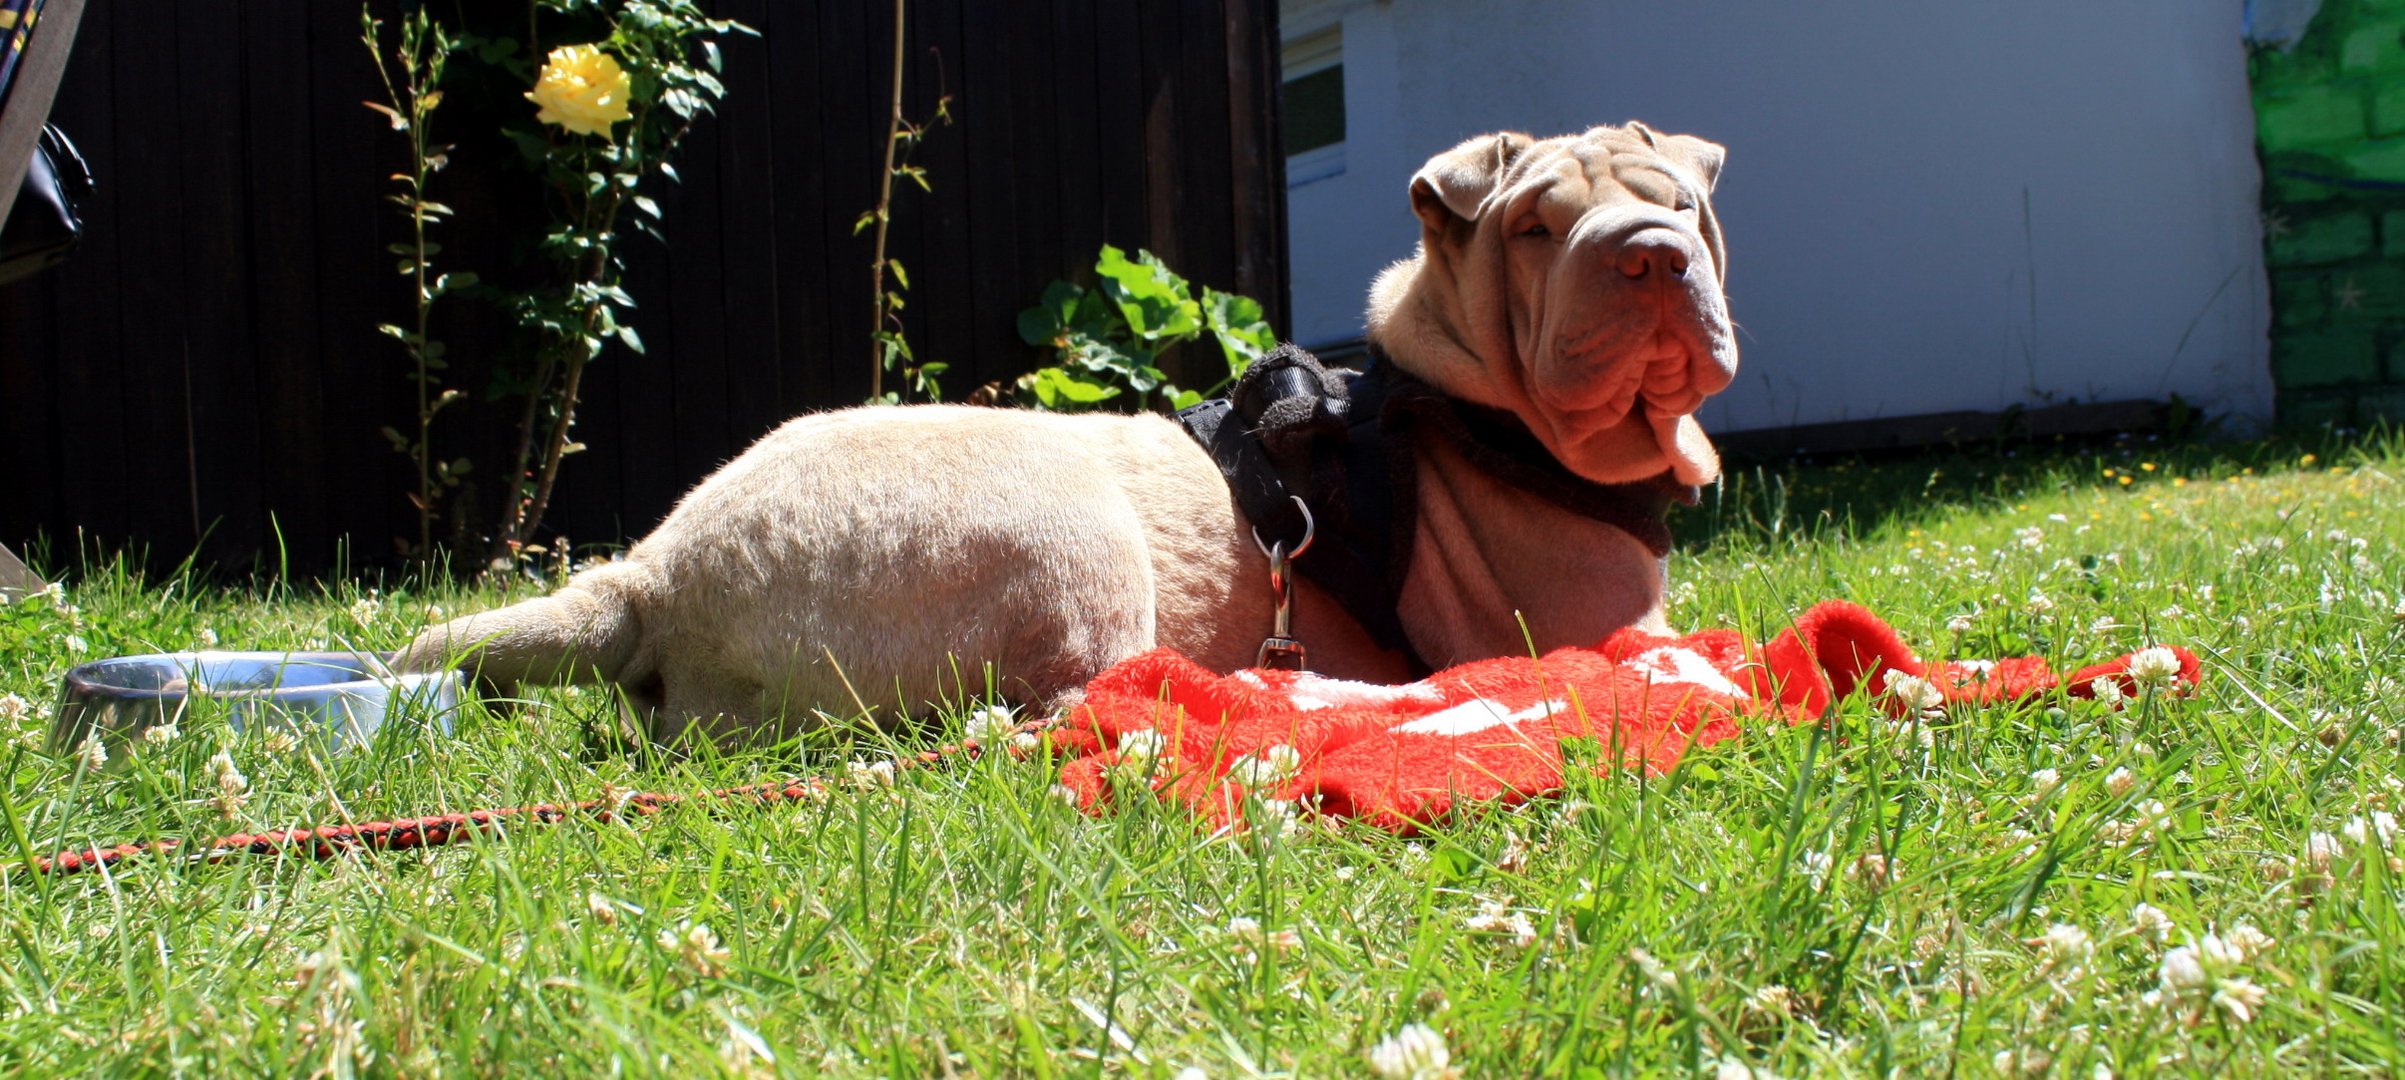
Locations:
(591, 630)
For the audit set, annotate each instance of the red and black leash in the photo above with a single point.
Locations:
(437, 830)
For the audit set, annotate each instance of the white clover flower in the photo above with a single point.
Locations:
(14, 709)
(1959, 624)
(989, 724)
(77, 644)
(1192, 1072)
(1913, 692)
(2103, 625)
(1139, 748)
(93, 752)
(207, 638)
(2107, 689)
(1415, 1053)
(2247, 943)
(2022, 1061)
(2039, 603)
(870, 773)
(2151, 921)
(55, 592)
(364, 609)
(2217, 953)
(697, 946)
(2064, 946)
(1774, 1000)
(2154, 665)
(2183, 972)
(1494, 918)
(229, 777)
(2376, 831)
(1270, 767)
(2044, 781)
(161, 734)
(2120, 781)
(2241, 998)
(1066, 794)
(1815, 865)
(2321, 849)
(2032, 537)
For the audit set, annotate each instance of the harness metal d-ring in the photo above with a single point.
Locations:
(1310, 531)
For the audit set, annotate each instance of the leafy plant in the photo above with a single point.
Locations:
(410, 101)
(613, 114)
(1109, 340)
(892, 344)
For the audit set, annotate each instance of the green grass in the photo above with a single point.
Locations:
(966, 921)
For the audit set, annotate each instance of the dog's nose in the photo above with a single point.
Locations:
(1650, 250)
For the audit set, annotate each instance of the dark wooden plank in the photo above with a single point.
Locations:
(1031, 54)
(852, 88)
(94, 482)
(357, 290)
(1203, 215)
(697, 357)
(942, 320)
(747, 243)
(798, 169)
(219, 358)
(994, 121)
(282, 275)
(1256, 168)
(1121, 95)
(29, 435)
(641, 430)
(1159, 55)
(1067, 249)
(152, 291)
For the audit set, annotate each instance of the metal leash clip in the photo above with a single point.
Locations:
(1280, 651)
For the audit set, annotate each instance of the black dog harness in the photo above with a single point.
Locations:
(1342, 441)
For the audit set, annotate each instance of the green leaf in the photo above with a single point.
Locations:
(1185, 399)
(644, 203)
(1154, 301)
(1063, 391)
(633, 340)
(901, 276)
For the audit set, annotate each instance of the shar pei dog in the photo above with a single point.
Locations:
(1527, 417)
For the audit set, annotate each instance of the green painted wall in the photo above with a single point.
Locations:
(2330, 118)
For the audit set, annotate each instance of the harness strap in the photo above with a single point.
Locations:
(1342, 441)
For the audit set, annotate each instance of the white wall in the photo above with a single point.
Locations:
(1930, 206)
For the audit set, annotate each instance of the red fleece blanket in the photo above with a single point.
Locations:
(1398, 757)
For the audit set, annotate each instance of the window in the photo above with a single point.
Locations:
(1314, 105)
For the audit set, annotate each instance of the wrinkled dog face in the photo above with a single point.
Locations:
(1575, 281)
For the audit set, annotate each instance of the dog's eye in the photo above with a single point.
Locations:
(1534, 228)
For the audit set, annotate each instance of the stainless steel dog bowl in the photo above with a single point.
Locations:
(345, 695)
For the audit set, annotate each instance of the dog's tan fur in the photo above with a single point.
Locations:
(885, 555)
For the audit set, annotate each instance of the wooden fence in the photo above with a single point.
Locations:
(205, 374)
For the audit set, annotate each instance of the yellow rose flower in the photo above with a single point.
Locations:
(581, 89)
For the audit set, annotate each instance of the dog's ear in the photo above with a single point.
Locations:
(1702, 155)
(1454, 184)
